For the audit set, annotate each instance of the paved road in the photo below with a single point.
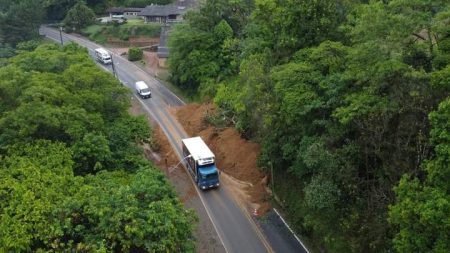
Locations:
(232, 225)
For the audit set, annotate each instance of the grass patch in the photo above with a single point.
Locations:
(179, 92)
(92, 29)
(132, 28)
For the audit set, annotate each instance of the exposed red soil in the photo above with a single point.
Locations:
(164, 157)
(168, 156)
(235, 156)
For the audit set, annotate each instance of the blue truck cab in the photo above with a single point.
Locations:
(200, 162)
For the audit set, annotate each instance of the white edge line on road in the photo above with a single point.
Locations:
(52, 38)
(138, 68)
(255, 226)
(74, 38)
(296, 237)
(198, 192)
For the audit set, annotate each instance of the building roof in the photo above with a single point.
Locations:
(124, 9)
(162, 10)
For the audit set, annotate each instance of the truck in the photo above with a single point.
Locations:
(102, 56)
(200, 162)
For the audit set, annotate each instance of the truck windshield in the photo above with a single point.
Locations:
(145, 90)
(210, 176)
(208, 172)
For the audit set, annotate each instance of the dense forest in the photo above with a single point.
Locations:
(350, 102)
(72, 173)
(73, 177)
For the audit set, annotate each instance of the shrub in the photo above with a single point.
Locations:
(135, 54)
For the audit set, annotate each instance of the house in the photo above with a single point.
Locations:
(162, 13)
(124, 12)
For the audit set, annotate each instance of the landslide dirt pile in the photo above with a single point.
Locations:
(235, 156)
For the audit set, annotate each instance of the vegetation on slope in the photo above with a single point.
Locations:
(101, 32)
(349, 101)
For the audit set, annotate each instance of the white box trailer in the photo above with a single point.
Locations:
(200, 162)
(103, 56)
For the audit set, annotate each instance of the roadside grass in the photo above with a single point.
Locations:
(187, 96)
(164, 78)
(134, 27)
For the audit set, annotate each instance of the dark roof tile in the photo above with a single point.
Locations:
(162, 10)
(124, 9)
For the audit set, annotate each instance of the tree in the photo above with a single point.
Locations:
(124, 212)
(338, 93)
(205, 50)
(56, 10)
(72, 176)
(274, 24)
(32, 185)
(135, 54)
(20, 21)
(421, 210)
(44, 96)
(45, 207)
(79, 16)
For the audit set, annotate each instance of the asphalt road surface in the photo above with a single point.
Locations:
(236, 231)
(225, 221)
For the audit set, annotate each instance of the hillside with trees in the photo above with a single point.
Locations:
(350, 102)
(72, 172)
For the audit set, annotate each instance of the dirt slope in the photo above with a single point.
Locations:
(236, 157)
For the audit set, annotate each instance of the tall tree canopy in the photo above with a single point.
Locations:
(19, 20)
(79, 16)
(72, 174)
(339, 94)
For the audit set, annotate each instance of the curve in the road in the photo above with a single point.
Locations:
(235, 229)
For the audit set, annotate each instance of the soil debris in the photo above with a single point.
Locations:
(236, 157)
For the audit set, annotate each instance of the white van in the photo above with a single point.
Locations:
(143, 90)
(103, 56)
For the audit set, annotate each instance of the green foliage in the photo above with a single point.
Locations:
(135, 54)
(100, 32)
(421, 210)
(19, 20)
(32, 187)
(338, 93)
(57, 9)
(45, 207)
(205, 50)
(72, 174)
(28, 45)
(274, 24)
(78, 17)
(6, 51)
(126, 212)
(44, 96)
